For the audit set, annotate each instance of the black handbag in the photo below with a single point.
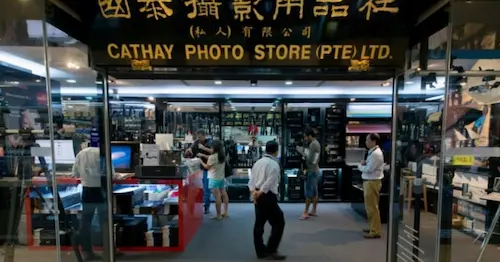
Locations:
(228, 170)
(302, 173)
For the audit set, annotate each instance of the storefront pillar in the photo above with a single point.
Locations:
(51, 137)
(109, 247)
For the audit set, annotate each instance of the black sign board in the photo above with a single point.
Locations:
(263, 33)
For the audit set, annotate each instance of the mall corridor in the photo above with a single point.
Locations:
(333, 236)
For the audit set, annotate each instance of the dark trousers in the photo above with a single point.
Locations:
(268, 210)
(207, 195)
(89, 209)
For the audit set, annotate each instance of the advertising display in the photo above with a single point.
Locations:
(148, 33)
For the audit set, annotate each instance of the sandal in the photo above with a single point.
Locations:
(313, 214)
(304, 217)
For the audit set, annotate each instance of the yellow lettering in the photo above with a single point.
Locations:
(364, 55)
(306, 52)
(260, 54)
(147, 50)
(112, 48)
(215, 52)
(238, 52)
(189, 50)
(168, 50)
(282, 52)
(135, 49)
(384, 52)
(347, 52)
(324, 51)
(126, 52)
(337, 48)
(159, 54)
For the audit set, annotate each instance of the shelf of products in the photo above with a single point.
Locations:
(334, 139)
(158, 215)
(246, 133)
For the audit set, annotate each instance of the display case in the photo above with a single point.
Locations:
(186, 118)
(246, 128)
(328, 122)
(148, 215)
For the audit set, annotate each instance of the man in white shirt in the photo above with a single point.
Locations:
(92, 173)
(372, 173)
(263, 184)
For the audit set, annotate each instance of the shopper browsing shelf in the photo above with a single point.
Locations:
(311, 156)
(263, 185)
(372, 173)
(201, 148)
(215, 166)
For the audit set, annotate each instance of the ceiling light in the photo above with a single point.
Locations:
(178, 109)
(218, 82)
(151, 98)
(71, 81)
(385, 84)
(289, 83)
(353, 99)
(73, 66)
(98, 82)
(253, 83)
(409, 83)
(38, 80)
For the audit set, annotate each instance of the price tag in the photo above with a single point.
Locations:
(463, 160)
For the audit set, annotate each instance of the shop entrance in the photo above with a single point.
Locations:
(244, 72)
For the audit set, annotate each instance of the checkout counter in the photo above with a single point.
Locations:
(156, 208)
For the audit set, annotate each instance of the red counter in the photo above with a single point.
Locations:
(190, 212)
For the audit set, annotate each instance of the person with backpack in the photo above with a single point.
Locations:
(216, 165)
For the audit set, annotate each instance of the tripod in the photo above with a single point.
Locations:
(20, 186)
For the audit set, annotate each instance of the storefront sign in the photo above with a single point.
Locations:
(249, 32)
(463, 160)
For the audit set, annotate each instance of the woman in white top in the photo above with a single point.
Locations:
(215, 166)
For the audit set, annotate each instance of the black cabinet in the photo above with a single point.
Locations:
(329, 184)
(334, 137)
(295, 188)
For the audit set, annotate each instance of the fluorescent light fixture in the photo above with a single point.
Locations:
(98, 82)
(218, 82)
(73, 66)
(16, 62)
(182, 90)
(434, 98)
(72, 81)
(289, 83)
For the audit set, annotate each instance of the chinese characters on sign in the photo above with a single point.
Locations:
(246, 9)
(156, 8)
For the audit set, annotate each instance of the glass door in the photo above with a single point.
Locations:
(415, 178)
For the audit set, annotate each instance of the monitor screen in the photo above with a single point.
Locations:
(63, 151)
(121, 156)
